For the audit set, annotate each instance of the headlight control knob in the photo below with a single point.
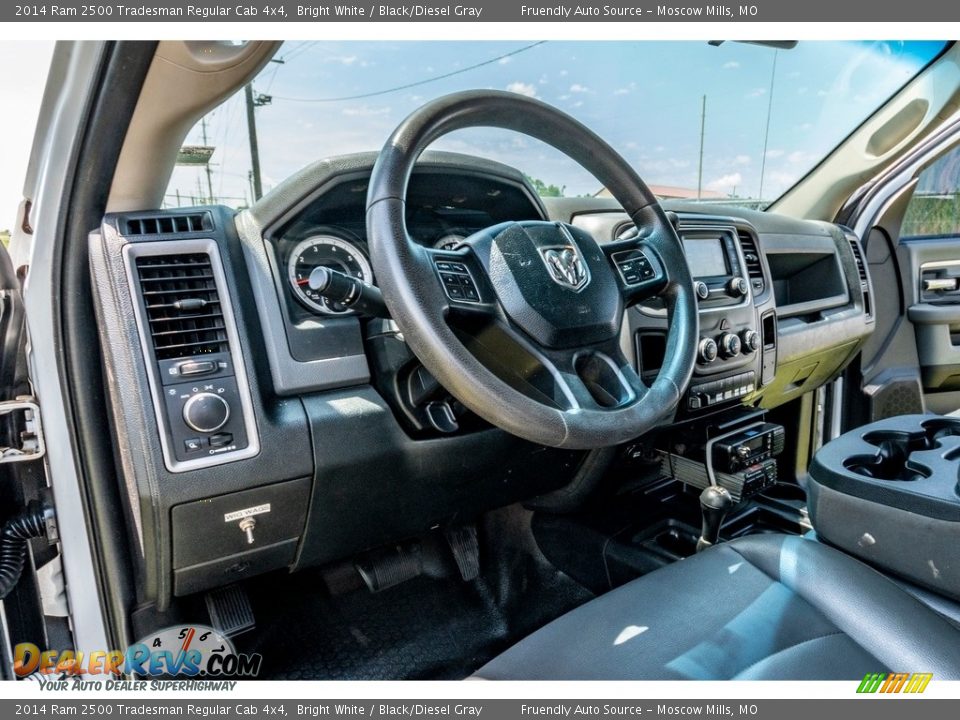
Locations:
(729, 345)
(703, 292)
(707, 350)
(750, 340)
(206, 412)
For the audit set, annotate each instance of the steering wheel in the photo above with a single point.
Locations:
(522, 322)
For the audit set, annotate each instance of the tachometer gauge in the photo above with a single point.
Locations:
(331, 252)
(449, 241)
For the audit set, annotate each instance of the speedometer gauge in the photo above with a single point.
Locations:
(329, 251)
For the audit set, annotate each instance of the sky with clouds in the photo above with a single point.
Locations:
(643, 97)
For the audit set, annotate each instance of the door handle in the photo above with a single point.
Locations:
(939, 284)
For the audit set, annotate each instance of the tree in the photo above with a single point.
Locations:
(544, 190)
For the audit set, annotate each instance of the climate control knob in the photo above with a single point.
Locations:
(750, 340)
(707, 350)
(206, 412)
(729, 345)
(737, 287)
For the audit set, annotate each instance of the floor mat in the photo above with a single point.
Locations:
(426, 628)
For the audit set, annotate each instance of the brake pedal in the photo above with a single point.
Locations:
(230, 610)
(388, 567)
(466, 550)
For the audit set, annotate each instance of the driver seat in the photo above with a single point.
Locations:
(763, 607)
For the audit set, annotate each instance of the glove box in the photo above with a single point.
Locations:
(227, 538)
(888, 493)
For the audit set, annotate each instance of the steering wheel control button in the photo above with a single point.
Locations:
(457, 281)
(206, 412)
(703, 292)
(634, 267)
(707, 350)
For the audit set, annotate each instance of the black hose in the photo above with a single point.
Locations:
(13, 546)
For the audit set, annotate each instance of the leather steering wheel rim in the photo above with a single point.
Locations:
(416, 300)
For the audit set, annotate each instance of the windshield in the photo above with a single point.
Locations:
(732, 123)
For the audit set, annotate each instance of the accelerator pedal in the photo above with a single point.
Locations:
(466, 550)
(388, 567)
(230, 610)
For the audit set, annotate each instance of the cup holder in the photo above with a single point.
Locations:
(894, 448)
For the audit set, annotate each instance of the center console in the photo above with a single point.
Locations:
(888, 493)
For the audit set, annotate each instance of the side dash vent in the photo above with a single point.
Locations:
(861, 272)
(751, 256)
(183, 311)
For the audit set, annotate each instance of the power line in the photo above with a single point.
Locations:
(418, 83)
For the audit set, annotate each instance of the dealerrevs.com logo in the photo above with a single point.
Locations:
(894, 683)
(184, 651)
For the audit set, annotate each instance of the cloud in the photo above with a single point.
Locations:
(726, 182)
(732, 65)
(504, 61)
(342, 59)
(774, 154)
(757, 92)
(625, 90)
(365, 111)
(741, 160)
(578, 88)
(522, 88)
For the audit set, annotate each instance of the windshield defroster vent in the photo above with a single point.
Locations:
(169, 224)
(751, 256)
(182, 305)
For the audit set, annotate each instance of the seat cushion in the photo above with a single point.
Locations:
(762, 607)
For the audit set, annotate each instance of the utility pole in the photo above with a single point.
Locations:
(703, 124)
(203, 129)
(766, 134)
(254, 147)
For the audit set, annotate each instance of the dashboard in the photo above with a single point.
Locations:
(256, 399)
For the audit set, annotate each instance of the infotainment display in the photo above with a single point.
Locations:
(705, 256)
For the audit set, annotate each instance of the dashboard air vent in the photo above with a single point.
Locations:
(168, 224)
(861, 272)
(751, 256)
(858, 257)
(182, 305)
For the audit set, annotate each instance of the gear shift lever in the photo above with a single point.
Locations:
(715, 503)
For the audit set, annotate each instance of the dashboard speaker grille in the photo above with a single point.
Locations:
(182, 305)
(751, 256)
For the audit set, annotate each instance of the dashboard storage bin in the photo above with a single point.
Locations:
(888, 493)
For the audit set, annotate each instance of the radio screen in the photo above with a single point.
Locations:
(705, 257)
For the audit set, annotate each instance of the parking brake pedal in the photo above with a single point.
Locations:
(466, 550)
(230, 611)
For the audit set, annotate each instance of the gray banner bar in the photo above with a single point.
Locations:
(227, 707)
(320, 11)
